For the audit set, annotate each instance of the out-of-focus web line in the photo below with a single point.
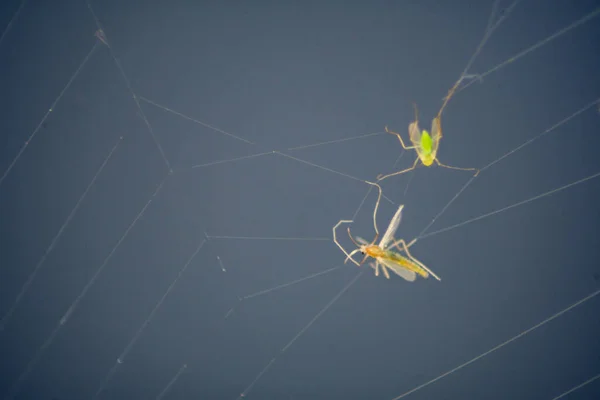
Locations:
(479, 77)
(269, 238)
(525, 332)
(164, 392)
(494, 69)
(592, 379)
(267, 367)
(336, 141)
(511, 59)
(121, 359)
(300, 333)
(265, 153)
(197, 121)
(52, 107)
(12, 20)
(269, 290)
(284, 285)
(221, 264)
(5, 319)
(520, 203)
(320, 313)
(491, 26)
(295, 159)
(32, 363)
(534, 47)
(510, 152)
(137, 98)
(423, 236)
(333, 171)
(241, 300)
(489, 30)
(105, 40)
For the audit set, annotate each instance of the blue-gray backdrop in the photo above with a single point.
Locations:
(99, 298)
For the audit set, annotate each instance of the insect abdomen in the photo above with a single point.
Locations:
(406, 263)
(427, 159)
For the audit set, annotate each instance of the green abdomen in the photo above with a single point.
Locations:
(406, 263)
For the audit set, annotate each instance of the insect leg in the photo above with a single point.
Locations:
(419, 263)
(405, 147)
(339, 245)
(381, 177)
(461, 169)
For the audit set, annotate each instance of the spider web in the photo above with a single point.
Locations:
(166, 225)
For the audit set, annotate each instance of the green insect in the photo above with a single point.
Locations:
(425, 144)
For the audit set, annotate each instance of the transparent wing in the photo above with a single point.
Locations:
(415, 138)
(361, 240)
(398, 270)
(436, 134)
(391, 229)
(414, 133)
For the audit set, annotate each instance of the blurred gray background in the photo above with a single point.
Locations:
(283, 75)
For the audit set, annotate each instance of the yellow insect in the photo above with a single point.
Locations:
(406, 267)
(425, 145)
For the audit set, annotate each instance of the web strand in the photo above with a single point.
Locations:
(50, 339)
(573, 389)
(133, 341)
(534, 47)
(493, 349)
(12, 21)
(300, 333)
(164, 392)
(489, 30)
(52, 107)
(502, 157)
(38, 266)
(130, 89)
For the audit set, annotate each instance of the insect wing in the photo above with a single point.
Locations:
(436, 135)
(391, 230)
(360, 240)
(414, 133)
(399, 270)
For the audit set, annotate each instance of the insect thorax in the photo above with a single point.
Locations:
(374, 251)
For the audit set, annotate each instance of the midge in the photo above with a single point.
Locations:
(406, 267)
(424, 144)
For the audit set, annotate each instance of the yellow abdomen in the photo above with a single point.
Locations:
(377, 252)
(406, 263)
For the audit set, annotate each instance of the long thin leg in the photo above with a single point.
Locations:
(375, 210)
(381, 177)
(396, 243)
(375, 266)
(405, 147)
(353, 252)
(461, 169)
(385, 271)
(343, 221)
(419, 263)
(357, 250)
